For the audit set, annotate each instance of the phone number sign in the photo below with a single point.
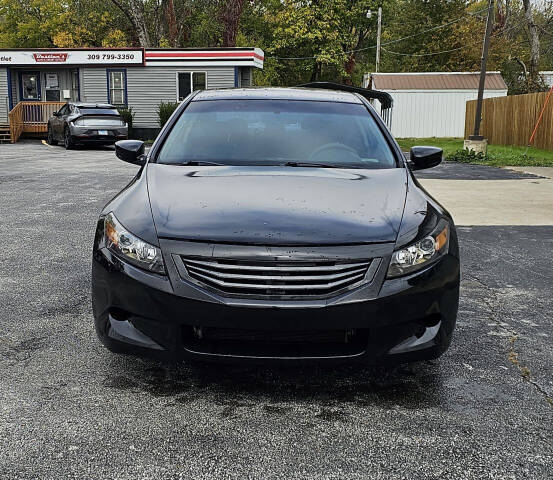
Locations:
(72, 57)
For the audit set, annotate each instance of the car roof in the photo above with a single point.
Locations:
(278, 93)
(91, 105)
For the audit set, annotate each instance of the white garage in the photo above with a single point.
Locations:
(433, 104)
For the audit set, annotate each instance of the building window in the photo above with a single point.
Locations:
(188, 82)
(117, 87)
(75, 93)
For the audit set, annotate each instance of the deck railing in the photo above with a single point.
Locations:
(31, 117)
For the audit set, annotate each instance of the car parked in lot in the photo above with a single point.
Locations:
(279, 224)
(86, 123)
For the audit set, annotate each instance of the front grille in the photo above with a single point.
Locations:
(276, 278)
(273, 336)
(275, 343)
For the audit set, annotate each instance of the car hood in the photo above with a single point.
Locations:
(277, 205)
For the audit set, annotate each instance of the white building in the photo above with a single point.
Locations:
(432, 104)
(547, 77)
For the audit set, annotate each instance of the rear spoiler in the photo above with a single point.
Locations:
(385, 99)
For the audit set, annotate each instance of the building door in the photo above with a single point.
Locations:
(29, 86)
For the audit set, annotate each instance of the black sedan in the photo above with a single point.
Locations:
(280, 225)
(86, 123)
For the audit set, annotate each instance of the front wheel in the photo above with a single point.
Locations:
(68, 140)
(50, 139)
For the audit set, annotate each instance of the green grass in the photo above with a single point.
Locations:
(498, 155)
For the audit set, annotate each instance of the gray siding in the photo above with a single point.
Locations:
(94, 85)
(4, 105)
(148, 86)
(220, 77)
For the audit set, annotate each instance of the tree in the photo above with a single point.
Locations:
(50, 23)
(171, 23)
(231, 11)
(134, 12)
(324, 33)
(533, 65)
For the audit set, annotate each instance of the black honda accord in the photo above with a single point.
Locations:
(278, 225)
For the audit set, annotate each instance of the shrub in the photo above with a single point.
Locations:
(467, 156)
(164, 111)
(127, 115)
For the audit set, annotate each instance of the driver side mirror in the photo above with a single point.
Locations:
(425, 157)
(131, 151)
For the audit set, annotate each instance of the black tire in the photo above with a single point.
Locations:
(68, 141)
(50, 139)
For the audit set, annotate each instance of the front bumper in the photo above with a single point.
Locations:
(409, 318)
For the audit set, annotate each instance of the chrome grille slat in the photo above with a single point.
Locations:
(309, 278)
(284, 268)
(332, 276)
(280, 287)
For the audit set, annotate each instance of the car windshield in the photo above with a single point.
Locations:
(277, 132)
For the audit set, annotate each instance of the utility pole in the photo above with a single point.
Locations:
(478, 117)
(379, 32)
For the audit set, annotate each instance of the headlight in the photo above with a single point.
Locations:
(422, 253)
(131, 248)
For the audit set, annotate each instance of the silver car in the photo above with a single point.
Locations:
(86, 123)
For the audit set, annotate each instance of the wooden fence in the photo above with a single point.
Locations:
(510, 120)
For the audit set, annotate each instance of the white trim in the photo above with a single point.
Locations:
(206, 63)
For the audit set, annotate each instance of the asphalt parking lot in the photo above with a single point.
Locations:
(70, 409)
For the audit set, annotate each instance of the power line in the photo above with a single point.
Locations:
(390, 42)
(446, 51)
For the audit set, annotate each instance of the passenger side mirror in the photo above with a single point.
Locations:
(131, 151)
(425, 157)
(56, 114)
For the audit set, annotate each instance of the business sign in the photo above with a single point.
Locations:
(50, 57)
(72, 57)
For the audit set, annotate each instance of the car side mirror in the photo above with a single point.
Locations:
(56, 114)
(425, 157)
(131, 151)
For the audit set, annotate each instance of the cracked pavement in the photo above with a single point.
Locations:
(70, 409)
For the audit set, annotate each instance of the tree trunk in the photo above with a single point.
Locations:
(315, 73)
(133, 10)
(349, 66)
(172, 29)
(231, 11)
(533, 34)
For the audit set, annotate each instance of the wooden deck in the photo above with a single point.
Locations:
(31, 117)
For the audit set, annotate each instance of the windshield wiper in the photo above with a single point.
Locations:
(201, 163)
(309, 164)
